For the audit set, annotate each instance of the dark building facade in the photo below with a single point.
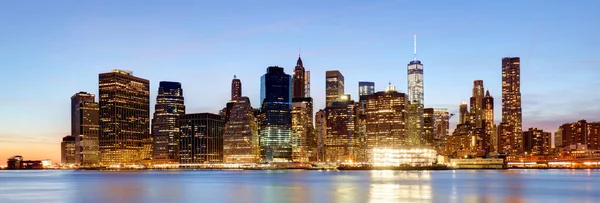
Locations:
(275, 134)
(165, 124)
(340, 140)
(300, 77)
(366, 88)
(85, 127)
(536, 141)
(580, 132)
(511, 101)
(124, 118)
(334, 86)
(236, 88)
(68, 154)
(201, 138)
(428, 126)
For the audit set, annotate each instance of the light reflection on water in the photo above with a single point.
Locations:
(301, 186)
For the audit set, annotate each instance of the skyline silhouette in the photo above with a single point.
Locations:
(50, 54)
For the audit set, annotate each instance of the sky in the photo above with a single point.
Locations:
(50, 50)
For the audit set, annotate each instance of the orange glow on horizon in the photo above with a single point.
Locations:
(30, 151)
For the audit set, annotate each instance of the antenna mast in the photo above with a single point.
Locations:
(415, 46)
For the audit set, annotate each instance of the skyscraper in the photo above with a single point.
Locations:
(303, 139)
(236, 88)
(334, 86)
(299, 86)
(511, 101)
(85, 128)
(415, 99)
(276, 97)
(340, 140)
(366, 88)
(124, 118)
(240, 140)
(321, 133)
(476, 115)
(428, 126)
(165, 125)
(463, 115)
(385, 114)
(201, 138)
(488, 120)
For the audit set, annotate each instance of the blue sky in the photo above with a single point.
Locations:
(50, 50)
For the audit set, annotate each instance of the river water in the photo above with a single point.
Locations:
(301, 186)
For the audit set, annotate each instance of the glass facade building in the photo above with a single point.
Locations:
(366, 88)
(85, 127)
(415, 102)
(334, 86)
(165, 124)
(124, 118)
(275, 133)
(201, 138)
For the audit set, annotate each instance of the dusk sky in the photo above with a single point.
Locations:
(50, 50)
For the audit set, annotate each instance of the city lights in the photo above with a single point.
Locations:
(398, 157)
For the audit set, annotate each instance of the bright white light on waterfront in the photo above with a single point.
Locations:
(397, 157)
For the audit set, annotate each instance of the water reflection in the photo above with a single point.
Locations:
(399, 186)
(305, 186)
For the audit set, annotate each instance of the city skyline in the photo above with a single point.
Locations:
(47, 99)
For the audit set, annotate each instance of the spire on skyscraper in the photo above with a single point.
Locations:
(487, 92)
(415, 47)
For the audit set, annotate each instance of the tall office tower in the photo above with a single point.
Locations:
(67, 150)
(385, 120)
(236, 88)
(477, 104)
(275, 135)
(488, 120)
(536, 141)
(303, 139)
(240, 140)
(299, 86)
(334, 86)
(321, 133)
(201, 138)
(85, 127)
(511, 100)
(366, 88)
(124, 118)
(463, 113)
(415, 99)
(428, 126)
(165, 125)
(340, 141)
